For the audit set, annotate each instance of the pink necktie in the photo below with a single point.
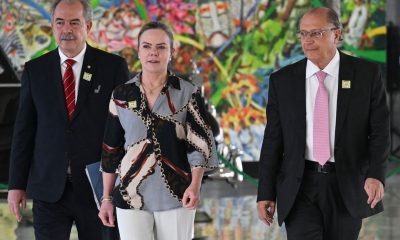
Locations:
(69, 87)
(321, 145)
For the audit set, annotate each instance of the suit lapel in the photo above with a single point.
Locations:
(344, 92)
(55, 74)
(86, 79)
(299, 93)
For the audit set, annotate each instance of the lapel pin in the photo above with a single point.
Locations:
(87, 76)
(88, 66)
(132, 104)
(346, 84)
(97, 90)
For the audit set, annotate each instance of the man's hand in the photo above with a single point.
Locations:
(266, 210)
(16, 202)
(375, 191)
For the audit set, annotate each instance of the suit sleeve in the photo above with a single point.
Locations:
(23, 136)
(122, 74)
(272, 148)
(379, 130)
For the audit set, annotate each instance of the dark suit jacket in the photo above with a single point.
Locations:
(361, 136)
(44, 139)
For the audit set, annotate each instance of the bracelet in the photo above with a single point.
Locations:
(106, 198)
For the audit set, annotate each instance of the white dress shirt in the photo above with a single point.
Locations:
(331, 84)
(76, 68)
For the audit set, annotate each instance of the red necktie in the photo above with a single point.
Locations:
(69, 87)
(321, 143)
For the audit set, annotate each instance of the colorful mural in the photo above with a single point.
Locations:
(230, 47)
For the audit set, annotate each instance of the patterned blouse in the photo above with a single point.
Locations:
(153, 151)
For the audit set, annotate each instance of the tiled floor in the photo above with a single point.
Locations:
(234, 217)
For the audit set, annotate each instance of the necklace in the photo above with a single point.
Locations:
(151, 91)
(151, 94)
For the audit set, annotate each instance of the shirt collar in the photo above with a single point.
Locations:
(77, 58)
(311, 68)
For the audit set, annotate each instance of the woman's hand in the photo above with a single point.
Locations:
(106, 214)
(191, 197)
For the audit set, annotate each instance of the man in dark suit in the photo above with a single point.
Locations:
(327, 138)
(60, 125)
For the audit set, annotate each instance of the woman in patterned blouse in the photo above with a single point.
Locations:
(158, 142)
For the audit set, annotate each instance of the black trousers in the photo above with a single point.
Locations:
(54, 220)
(319, 212)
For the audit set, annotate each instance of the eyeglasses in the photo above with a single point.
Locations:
(316, 34)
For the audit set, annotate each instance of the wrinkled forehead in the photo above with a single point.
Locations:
(314, 21)
(69, 11)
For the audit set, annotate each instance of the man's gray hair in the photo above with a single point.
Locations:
(332, 15)
(87, 10)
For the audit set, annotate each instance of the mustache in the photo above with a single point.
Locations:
(67, 37)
